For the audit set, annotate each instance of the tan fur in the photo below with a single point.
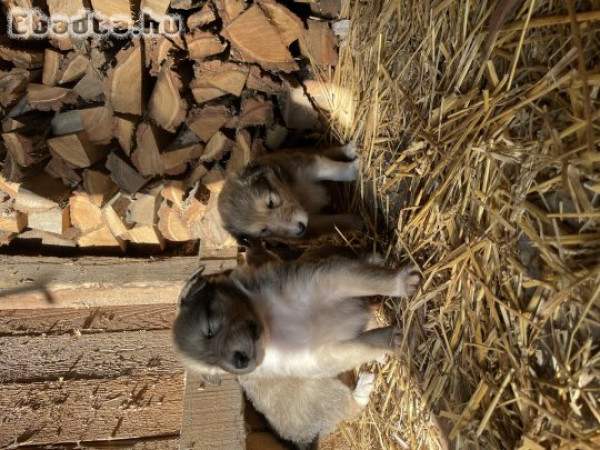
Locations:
(281, 195)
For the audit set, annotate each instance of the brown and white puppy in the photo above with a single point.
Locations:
(281, 195)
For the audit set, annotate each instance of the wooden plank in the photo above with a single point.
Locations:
(213, 417)
(155, 443)
(17, 322)
(90, 410)
(49, 282)
(98, 355)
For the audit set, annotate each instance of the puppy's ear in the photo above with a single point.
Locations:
(253, 171)
(193, 286)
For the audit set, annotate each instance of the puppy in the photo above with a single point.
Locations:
(303, 319)
(281, 195)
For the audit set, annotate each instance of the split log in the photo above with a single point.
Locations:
(67, 7)
(22, 58)
(115, 8)
(202, 44)
(50, 73)
(327, 9)
(205, 122)
(157, 8)
(166, 106)
(203, 17)
(263, 82)
(76, 149)
(266, 48)
(99, 186)
(96, 122)
(11, 220)
(175, 162)
(100, 237)
(319, 43)
(256, 111)
(74, 68)
(9, 187)
(46, 98)
(240, 154)
(289, 26)
(170, 224)
(217, 145)
(85, 214)
(114, 215)
(229, 10)
(146, 235)
(6, 237)
(12, 86)
(90, 87)
(126, 81)
(16, 173)
(27, 145)
(124, 175)
(55, 220)
(215, 78)
(124, 131)
(146, 157)
(215, 179)
(58, 168)
(185, 4)
(156, 52)
(67, 239)
(40, 192)
(144, 207)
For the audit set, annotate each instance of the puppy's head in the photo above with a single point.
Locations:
(258, 203)
(217, 329)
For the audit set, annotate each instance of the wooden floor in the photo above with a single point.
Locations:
(86, 358)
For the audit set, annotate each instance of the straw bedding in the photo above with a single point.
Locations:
(479, 123)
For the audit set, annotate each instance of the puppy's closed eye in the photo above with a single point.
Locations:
(274, 201)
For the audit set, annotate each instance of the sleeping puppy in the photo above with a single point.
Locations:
(303, 319)
(281, 195)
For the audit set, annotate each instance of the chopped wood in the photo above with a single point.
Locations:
(144, 206)
(319, 43)
(27, 145)
(266, 48)
(289, 26)
(100, 236)
(166, 106)
(156, 52)
(46, 98)
(176, 162)
(76, 149)
(240, 154)
(91, 86)
(114, 214)
(206, 121)
(74, 68)
(256, 111)
(85, 214)
(125, 81)
(6, 237)
(124, 131)
(203, 17)
(11, 220)
(229, 10)
(147, 235)
(297, 110)
(217, 145)
(194, 208)
(174, 191)
(93, 409)
(22, 58)
(40, 192)
(16, 173)
(9, 187)
(115, 8)
(198, 172)
(170, 223)
(51, 69)
(215, 78)
(185, 4)
(263, 82)
(99, 186)
(202, 44)
(69, 8)
(210, 229)
(128, 179)
(67, 239)
(327, 9)
(157, 8)
(97, 122)
(150, 141)
(55, 220)
(215, 179)
(58, 168)
(12, 86)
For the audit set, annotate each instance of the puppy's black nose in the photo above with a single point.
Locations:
(240, 360)
(301, 227)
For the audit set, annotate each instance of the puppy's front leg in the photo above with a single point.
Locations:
(327, 169)
(340, 278)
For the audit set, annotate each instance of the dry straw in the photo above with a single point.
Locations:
(479, 126)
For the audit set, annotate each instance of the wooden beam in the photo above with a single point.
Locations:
(30, 282)
(88, 410)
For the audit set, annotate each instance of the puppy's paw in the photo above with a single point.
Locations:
(408, 280)
(353, 169)
(349, 149)
(364, 387)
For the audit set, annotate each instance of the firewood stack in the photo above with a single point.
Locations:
(107, 141)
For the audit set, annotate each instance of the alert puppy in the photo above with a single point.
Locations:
(281, 195)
